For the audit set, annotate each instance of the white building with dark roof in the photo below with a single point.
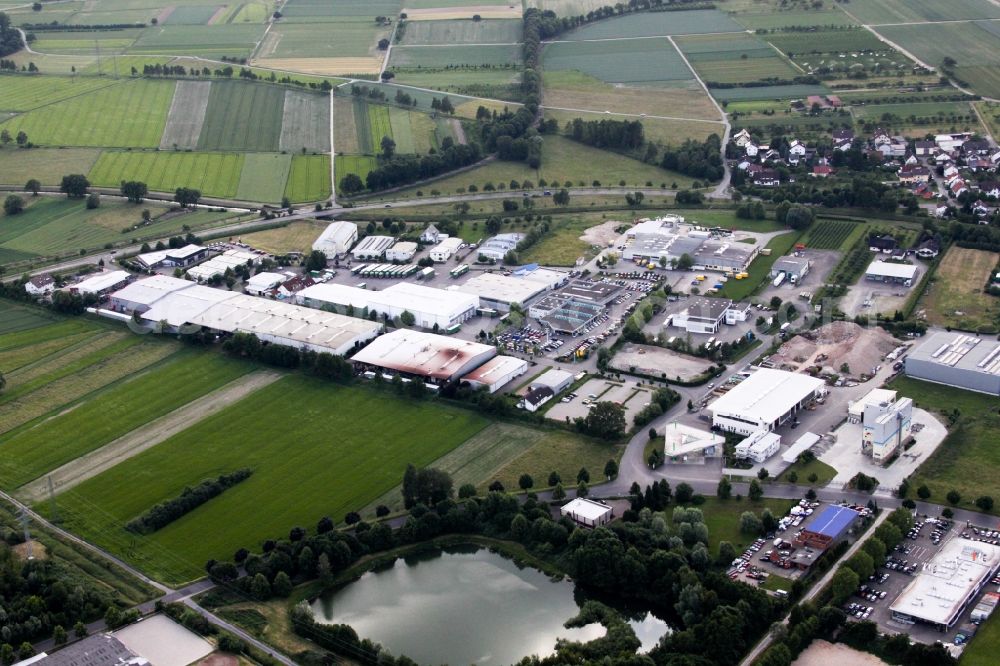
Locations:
(40, 285)
(173, 257)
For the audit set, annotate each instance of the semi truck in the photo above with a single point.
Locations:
(779, 279)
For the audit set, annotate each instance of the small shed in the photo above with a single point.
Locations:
(587, 512)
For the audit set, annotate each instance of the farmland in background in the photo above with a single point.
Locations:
(794, 91)
(309, 178)
(357, 164)
(72, 43)
(131, 114)
(19, 318)
(305, 122)
(904, 11)
(629, 61)
(654, 24)
(457, 56)
(461, 32)
(656, 130)
(734, 59)
(243, 116)
(187, 114)
(214, 174)
(23, 93)
(574, 90)
(209, 41)
(956, 295)
(48, 165)
(768, 20)
(974, 46)
(345, 133)
(333, 475)
(294, 237)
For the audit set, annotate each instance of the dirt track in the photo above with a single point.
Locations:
(76, 472)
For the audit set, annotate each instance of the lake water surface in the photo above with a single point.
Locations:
(466, 606)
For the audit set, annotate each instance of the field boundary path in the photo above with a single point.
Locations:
(145, 437)
(333, 154)
(633, 115)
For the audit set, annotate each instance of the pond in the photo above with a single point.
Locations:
(462, 606)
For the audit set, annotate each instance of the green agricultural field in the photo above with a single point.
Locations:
(734, 59)
(45, 164)
(23, 93)
(322, 10)
(904, 11)
(914, 110)
(293, 237)
(974, 46)
(656, 130)
(76, 373)
(214, 174)
(635, 61)
(955, 297)
(413, 132)
(29, 453)
(767, 93)
(739, 290)
(576, 90)
(492, 82)
(194, 15)
(347, 37)
(828, 234)
(85, 43)
(264, 177)
(656, 24)
(490, 31)
(309, 178)
(359, 164)
(379, 125)
(793, 19)
(210, 41)
(131, 114)
(423, 98)
(345, 133)
(967, 459)
(827, 41)
(322, 462)
(18, 318)
(243, 116)
(501, 56)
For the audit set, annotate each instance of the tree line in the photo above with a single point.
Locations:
(615, 134)
(166, 512)
(10, 37)
(697, 159)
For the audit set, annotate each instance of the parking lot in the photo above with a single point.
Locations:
(577, 404)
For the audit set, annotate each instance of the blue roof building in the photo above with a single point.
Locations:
(826, 527)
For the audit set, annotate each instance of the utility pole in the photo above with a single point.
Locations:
(23, 517)
(53, 510)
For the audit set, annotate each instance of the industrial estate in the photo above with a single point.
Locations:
(545, 333)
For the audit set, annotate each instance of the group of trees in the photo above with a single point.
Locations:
(21, 139)
(605, 420)
(616, 134)
(697, 159)
(402, 169)
(166, 512)
(10, 38)
(324, 365)
(863, 191)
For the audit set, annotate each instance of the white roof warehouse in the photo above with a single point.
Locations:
(763, 401)
(428, 305)
(436, 357)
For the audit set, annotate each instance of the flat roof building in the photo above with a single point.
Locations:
(764, 401)
(443, 251)
(557, 380)
(946, 585)
(402, 251)
(724, 256)
(218, 265)
(496, 248)
(805, 442)
(261, 283)
(587, 512)
(759, 446)
(94, 650)
(496, 373)
(499, 291)
(792, 267)
(372, 247)
(101, 283)
(572, 307)
(826, 527)
(681, 440)
(957, 359)
(143, 294)
(337, 238)
(182, 257)
(429, 306)
(435, 357)
(702, 315)
(884, 271)
(856, 410)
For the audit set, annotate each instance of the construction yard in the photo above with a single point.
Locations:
(832, 346)
(659, 362)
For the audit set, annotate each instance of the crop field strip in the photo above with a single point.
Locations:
(379, 125)
(193, 15)
(48, 165)
(214, 174)
(828, 41)
(575, 90)
(958, 288)
(628, 61)
(187, 115)
(17, 318)
(108, 365)
(656, 24)
(334, 473)
(345, 133)
(482, 56)
(362, 125)
(129, 115)
(323, 10)
(209, 41)
(450, 32)
(793, 91)
(309, 178)
(792, 19)
(243, 116)
(14, 359)
(905, 11)
(24, 93)
(113, 412)
(264, 177)
(348, 37)
(734, 58)
(828, 234)
(305, 122)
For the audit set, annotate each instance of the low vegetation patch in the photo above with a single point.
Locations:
(164, 513)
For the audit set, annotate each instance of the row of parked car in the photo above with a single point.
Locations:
(987, 536)
(741, 563)
(902, 566)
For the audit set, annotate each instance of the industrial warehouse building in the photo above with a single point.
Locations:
(946, 585)
(667, 239)
(571, 308)
(706, 315)
(826, 527)
(957, 359)
(764, 401)
(759, 446)
(227, 260)
(177, 257)
(496, 373)
(434, 357)
(401, 252)
(885, 428)
(261, 283)
(499, 292)
(372, 247)
(429, 306)
(496, 248)
(180, 304)
(101, 283)
(443, 251)
(587, 512)
(794, 268)
(883, 271)
(337, 238)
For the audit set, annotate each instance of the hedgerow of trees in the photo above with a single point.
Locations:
(164, 513)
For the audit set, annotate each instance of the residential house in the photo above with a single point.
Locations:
(880, 137)
(751, 149)
(296, 284)
(978, 164)
(767, 178)
(535, 398)
(843, 139)
(796, 151)
(821, 171)
(929, 249)
(911, 174)
(958, 187)
(990, 188)
(40, 285)
(742, 138)
(950, 172)
(886, 243)
(430, 235)
(995, 157)
(924, 148)
(976, 147)
(771, 155)
(982, 210)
